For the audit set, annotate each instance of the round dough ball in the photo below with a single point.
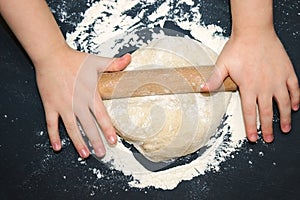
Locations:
(164, 127)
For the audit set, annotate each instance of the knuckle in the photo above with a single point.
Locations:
(249, 111)
(79, 147)
(109, 130)
(70, 126)
(285, 120)
(294, 82)
(285, 113)
(286, 103)
(284, 100)
(93, 137)
(251, 131)
(267, 128)
(295, 99)
(295, 96)
(293, 86)
(96, 143)
(52, 124)
(266, 112)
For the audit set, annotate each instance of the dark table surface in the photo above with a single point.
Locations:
(31, 170)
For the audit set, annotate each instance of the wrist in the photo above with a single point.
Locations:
(60, 60)
(53, 51)
(252, 18)
(253, 33)
(51, 55)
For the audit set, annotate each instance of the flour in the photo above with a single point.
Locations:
(111, 28)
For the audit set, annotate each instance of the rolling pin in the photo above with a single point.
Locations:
(137, 83)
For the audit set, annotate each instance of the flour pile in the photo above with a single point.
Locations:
(111, 28)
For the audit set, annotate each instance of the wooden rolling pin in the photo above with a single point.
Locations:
(122, 84)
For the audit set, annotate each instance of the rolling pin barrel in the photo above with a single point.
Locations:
(137, 83)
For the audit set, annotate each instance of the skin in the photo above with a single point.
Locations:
(63, 73)
(256, 60)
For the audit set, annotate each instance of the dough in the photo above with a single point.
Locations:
(169, 126)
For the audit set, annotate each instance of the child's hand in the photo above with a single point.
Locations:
(67, 83)
(263, 71)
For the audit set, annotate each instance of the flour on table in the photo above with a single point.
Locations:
(108, 29)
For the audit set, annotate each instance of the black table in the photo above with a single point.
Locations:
(31, 170)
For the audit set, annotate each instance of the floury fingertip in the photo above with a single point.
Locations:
(203, 86)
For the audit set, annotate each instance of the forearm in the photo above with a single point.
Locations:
(35, 27)
(251, 17)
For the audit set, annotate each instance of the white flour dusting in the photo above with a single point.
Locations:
(112, 28)
(227, 141)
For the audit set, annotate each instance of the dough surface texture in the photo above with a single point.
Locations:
(164, 127)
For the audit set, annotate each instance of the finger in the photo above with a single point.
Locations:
(74, 133)
(266, 116)
(118, 64)
(52, 127)
(104, 120)
(216, 79)
(106, 64)
(249, 114)
(284, 104)
(89, 126)
(293, 87)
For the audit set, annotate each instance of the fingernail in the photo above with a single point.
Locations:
(112, 140)
(253, 138)
(84, 153)
(268, 138)
(286, 128)
(296, 107)
(100, 152)
(56, 147)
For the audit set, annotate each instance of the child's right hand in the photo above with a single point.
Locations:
(67, 82)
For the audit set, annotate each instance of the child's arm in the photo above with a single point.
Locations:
(257, 61)
(66, 78)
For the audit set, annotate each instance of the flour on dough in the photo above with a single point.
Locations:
(169, 126)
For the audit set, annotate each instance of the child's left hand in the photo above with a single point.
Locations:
(261, 68)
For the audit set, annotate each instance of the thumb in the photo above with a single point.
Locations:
(118, 64)
(103, 64)
(215, 81)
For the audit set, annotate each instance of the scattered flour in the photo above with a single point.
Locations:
(112, 28)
